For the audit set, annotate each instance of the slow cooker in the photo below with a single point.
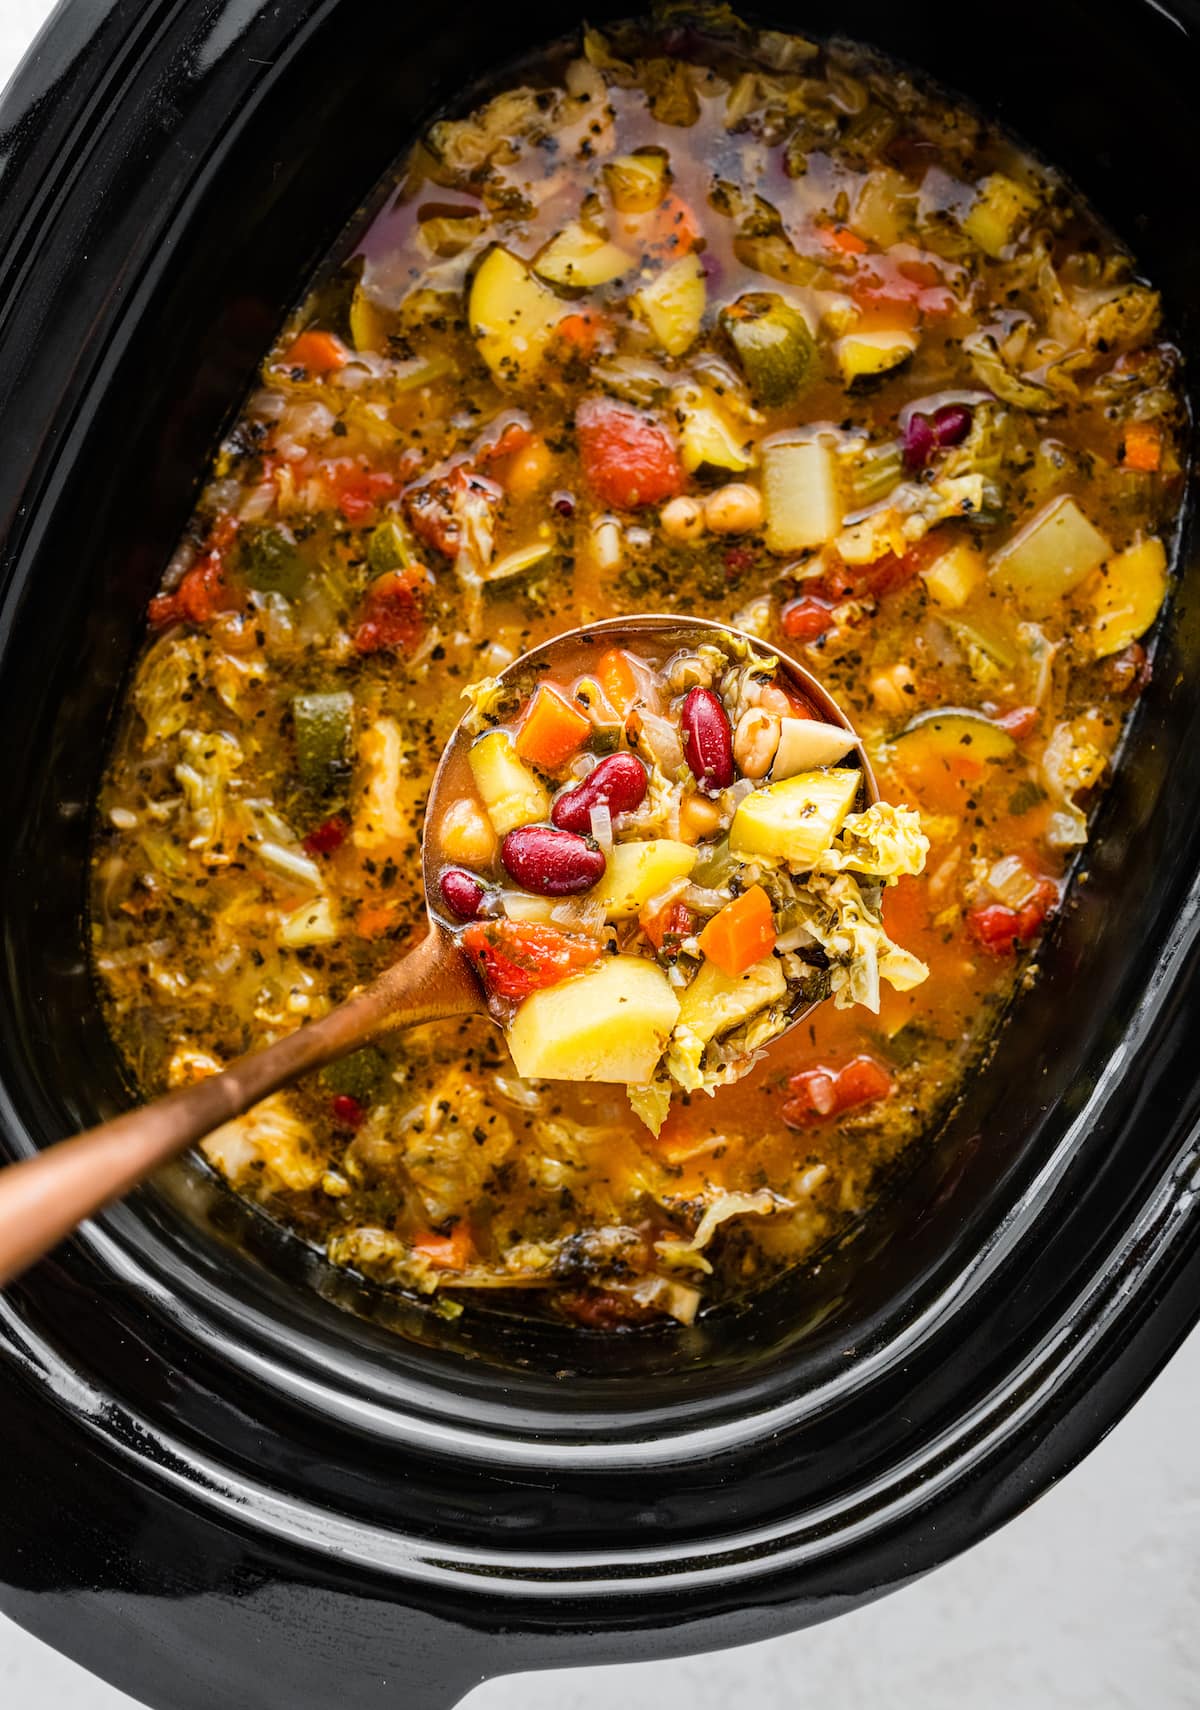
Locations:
(231, 1473)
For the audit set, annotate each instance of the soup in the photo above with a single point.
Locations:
(733, 326)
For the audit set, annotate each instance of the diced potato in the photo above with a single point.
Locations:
(611, 1023)
(707, 437)
(801, 495)
(673, 304)
(795, 820)
(511, 793)
(806, 744)
(993, 218)
(955, 576)
(577, 257)
(637, 182)
(716, 1002)
(884, 208)
(312, 923)
(379, 815)
(862, 354)
(1056, 551)
(512, 316)
(1127, 593)
(520, 905)
(638, 871)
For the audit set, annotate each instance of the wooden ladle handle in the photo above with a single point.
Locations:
(43, 1198)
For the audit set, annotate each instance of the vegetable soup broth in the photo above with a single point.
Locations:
(712, 262)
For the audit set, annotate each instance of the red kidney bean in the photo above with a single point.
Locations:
(618, 783)
(952, 423)
(707, 740)
(920, 441)
(552, 863)
(462, 892)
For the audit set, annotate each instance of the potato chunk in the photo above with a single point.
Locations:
(611, 1023)
(796, 820)
(512, 315)
(512, 794)
(638, 871)
(1051, 555)
(673, 304)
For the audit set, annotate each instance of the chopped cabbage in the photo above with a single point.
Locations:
(160, 691)
(205, 774)
(885, 842)
(690, 1254)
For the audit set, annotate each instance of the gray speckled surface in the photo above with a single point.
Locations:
(1087, 1602)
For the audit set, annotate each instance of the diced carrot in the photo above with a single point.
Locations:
(741, 934)
(318, 352)
(580, 332)
(618, 679)
(552, 729)
(1142, 448)
(452, 1252)
(841, 237)
(374, 919)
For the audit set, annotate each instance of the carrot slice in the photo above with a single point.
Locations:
(618, 679)
(741, 934)
(552, 729)
(318, 352)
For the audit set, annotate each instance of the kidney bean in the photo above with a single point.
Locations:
(707, 740)
(462, 892)
(920, 441)
(550, 862)
(952, 423)
(618, 783)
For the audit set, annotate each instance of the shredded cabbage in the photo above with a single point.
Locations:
(885, 842)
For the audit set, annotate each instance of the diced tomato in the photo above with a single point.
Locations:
(629, 458)
(1018, 722)
(347, 1112)
(515, 959)
(200, 595)
(392, 614)
(323, 839)
(669, 925)
(317, 352)
(893, 570)
(603, 1309)
(1003, 930)
(822, 1092)
(452, 1252)
(805, 619)
(892, 283)
(356, 489)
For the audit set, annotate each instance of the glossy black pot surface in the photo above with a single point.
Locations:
(230, 1477)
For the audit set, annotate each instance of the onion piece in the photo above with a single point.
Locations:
(602, 826)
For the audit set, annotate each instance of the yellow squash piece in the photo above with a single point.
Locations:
(716, 1002)
(578, 259)
(512, 316)
(1126, 594)
(863, 354)
(637, 182)
(636, 872)
(1000, 208)
(611, 1023)
(707, 436)
(1051, 555)
(945, 735)
(795, 820)
(673, 304)
(512, 794)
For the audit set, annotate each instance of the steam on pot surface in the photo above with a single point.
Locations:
(770, 335)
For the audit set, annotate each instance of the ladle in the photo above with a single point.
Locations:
(43, 1198)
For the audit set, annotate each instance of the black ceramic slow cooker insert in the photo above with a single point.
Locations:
(229, 1476)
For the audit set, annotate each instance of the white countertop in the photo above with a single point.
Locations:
(1087, 1602)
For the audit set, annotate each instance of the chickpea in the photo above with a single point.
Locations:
(698, 818)
(736, 508)
(755, 741)
(894, 691)
(682, 519)
(467, 834)
(529, 469)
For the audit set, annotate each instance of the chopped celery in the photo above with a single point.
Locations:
(324, 726)
(877, 470)
(389, 547)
